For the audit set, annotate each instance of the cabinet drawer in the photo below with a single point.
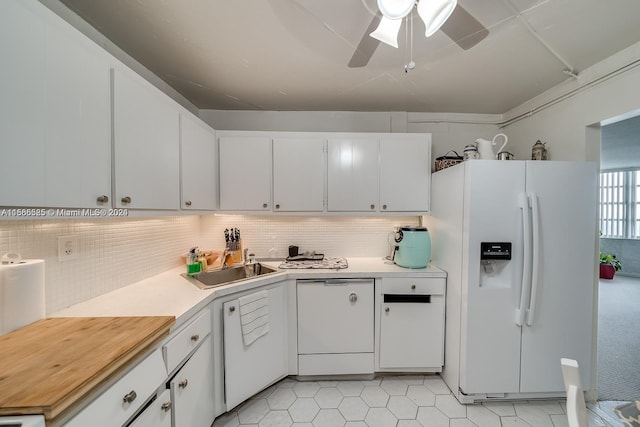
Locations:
(420, 285)
(124, 398)
(186, 340)
(158, 414)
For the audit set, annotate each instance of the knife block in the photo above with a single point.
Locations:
(235, 257)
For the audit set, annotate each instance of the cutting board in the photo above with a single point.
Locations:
(49, 365)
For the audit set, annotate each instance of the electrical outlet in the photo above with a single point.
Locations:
(67, 248)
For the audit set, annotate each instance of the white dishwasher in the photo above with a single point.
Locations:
(335, 326)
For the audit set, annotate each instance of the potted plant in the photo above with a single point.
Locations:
(609, 264)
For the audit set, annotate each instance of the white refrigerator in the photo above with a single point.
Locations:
(518, 241)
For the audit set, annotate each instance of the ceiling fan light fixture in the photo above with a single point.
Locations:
(395, 9)
(387, 31)
(434, 13)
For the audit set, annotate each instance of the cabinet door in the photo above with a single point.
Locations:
(245, 173)
(78, 121)
(192, 389)
(158, 414)
(198, 164)
(352, 175)
(146, 145)
(412, 335)
(335, 316)
(298, 174)
(22, 105)
(405, 173)
(250, 368)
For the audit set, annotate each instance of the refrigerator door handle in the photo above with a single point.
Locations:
(535, 228)
(525, 286)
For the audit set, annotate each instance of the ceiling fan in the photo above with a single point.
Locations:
(446, 15)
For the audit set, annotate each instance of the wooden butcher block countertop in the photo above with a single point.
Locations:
(49, 365)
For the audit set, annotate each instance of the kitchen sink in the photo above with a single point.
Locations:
(212, 278)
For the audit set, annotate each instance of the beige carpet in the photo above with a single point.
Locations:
(619, 339)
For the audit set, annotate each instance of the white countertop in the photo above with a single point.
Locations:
(170, 294)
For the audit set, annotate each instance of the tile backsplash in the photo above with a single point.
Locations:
(117, 252)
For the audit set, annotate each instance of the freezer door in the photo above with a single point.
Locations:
(490, 338)
(561, 323)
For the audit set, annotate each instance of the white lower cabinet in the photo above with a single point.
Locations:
(192, 392)
(157, 414)
(251, 366)
(335, 326)
(125, 397)
(412, 324)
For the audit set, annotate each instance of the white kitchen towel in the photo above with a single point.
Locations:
(254, 316)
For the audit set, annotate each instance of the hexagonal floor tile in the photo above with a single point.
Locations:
(282, 398)
(421, 395)
(353, 409)
(253, 411)
(380, 417)
(402, 407)
(350, 388)
(450, 406)
(409, 423)
(394, 387)
(329, 418)
(430, 416)
(436, 384)
(306, 389)
(276, 419)
(328, 398)
(304, 410)
(375, 397)
(229, 419)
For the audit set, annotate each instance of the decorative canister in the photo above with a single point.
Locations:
(470, 152)
(539, 151)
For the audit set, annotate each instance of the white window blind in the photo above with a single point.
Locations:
(620, 204)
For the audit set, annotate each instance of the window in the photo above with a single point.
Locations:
(620, 204)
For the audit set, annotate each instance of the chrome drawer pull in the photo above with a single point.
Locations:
(386, 309)
(195, 337)
(130, 397)
(353, 297)
(232, 308)
(413, 287)
(183, 384)
(166, 407)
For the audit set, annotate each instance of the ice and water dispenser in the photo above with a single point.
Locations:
(494, 259)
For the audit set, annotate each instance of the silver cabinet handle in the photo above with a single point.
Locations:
(102, 199)
(278, 206)
(184, 383)
(195, 337)
(353, 297)
(232, 308)
(384, 207)
(264, 205)
(386, 309)
(130, 397)
(166, 407)
(125, 200)
(188, 203)
(373, 207)
(413, 287)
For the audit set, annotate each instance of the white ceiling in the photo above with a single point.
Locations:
(292, 54)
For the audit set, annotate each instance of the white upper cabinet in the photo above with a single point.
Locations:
(146, 145)
(78, 121)
(245, 173)
(198, 164)
(405, 173)
(352, 174)
(299, 167)
(55, 114)
(22, 105)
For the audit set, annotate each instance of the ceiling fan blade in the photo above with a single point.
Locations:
(464, 29)
(367, 46)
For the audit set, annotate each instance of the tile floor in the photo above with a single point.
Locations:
(393, 401)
